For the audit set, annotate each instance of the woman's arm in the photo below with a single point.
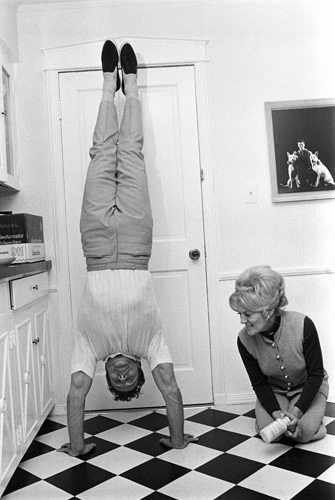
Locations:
(258, 380)
(314, 366)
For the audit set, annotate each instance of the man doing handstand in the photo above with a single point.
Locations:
(118, 318)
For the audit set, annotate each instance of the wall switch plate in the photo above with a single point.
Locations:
(250, 191)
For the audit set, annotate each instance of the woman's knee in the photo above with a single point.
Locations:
(311, 433)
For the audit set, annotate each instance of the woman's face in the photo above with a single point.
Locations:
(254, 321)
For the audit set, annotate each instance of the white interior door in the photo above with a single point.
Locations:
(172, 157)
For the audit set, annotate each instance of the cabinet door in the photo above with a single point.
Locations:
(9, 409)
(8, 157)
(24, 336)
(42, 356)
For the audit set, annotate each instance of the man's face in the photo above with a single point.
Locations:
(301, 145)
(123, 373)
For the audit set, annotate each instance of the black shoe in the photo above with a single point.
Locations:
(110, 60)
(128, 59)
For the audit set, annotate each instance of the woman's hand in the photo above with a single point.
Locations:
(294, 427)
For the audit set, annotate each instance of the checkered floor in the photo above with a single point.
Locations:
(229, 462)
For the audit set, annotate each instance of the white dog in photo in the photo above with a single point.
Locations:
(321, 170)
(292, 171)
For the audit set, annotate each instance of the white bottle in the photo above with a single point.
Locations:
(275, 429)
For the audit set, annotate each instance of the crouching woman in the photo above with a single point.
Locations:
(282, 355)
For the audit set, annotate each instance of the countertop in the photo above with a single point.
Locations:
(24, 269)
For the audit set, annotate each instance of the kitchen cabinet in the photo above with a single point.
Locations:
(9, 178)
(26, 384)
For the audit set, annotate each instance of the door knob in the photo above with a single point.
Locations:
(194, 254)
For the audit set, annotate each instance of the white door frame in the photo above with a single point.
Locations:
(158, 52)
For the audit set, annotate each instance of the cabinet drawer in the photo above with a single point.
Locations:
(26, 290)
(4, 297)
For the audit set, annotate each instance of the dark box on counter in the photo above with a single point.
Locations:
(22, 235)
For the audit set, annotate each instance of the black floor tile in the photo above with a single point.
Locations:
(304, 462)
(239, 493)
(250, 413)
(211, 417)
(149, 444)
(49, 426)
(156, 495)
(317, 490)
(221, 440)
(79, 478)
(331, 428)
(35, 449)
(330, 409)
(155, 473)
(152, 422)
(98, 424)
(102, 446)
(230, 468)
(20, 479)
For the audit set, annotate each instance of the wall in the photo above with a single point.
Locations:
(259, 51)
(8, 28)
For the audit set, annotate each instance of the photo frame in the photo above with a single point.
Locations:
(301, 173)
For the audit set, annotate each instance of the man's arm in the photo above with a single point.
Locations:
(80, 385)
(166, 382)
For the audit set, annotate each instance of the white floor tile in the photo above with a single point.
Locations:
(47, 465)
(61, 419)
(239, 409)
(328, 420)
(191, 457)
(190, 412)
(123, 434)
(325, 446)
(118, 488)
(328, 475)
(241, 425)
(119, 460)
(38, 491)
(192, 428)
(196, 486)
(126, 416)
(275, 482)
(256, 449)
(56, 438)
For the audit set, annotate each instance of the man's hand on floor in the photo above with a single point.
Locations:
(188, 438)
(66, 448)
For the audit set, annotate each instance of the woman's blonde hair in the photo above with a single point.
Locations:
(260, 288)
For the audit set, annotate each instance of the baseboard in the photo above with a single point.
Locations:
(234, 399)
(58, 410)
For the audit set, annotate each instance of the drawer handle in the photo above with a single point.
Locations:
(36, 341)
(35, 287)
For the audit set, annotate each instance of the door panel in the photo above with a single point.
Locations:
(172, 157)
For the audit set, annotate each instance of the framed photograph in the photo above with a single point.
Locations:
(301, 136)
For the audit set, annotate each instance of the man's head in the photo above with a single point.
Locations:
(124, 377)
(301, 144)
